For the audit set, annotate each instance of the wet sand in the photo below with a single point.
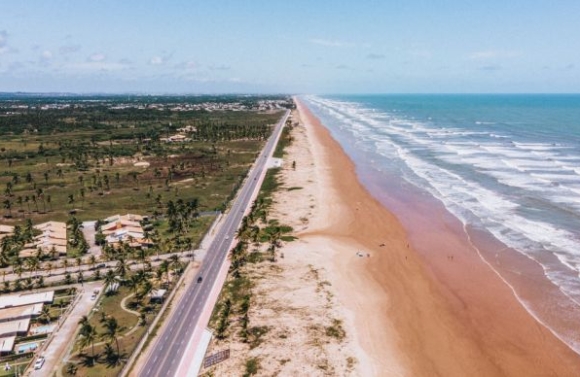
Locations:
(445, 313)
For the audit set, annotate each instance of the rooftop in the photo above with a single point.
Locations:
(22, 299)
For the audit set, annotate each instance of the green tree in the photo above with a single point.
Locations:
(111, 331)
(87, 335)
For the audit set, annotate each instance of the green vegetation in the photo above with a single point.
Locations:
(336, 330)
(107, 338)
(259, 238)
(81, 158)
(252, 367)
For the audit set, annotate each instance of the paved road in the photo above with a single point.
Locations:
(171, 344)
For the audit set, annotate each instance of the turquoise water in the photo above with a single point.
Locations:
(27, 347)
(508, 165)
(44, 329)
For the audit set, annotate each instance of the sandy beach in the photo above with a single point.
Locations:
(416, 317)
(403, 313)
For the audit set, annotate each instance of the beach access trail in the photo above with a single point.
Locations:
(409, 318)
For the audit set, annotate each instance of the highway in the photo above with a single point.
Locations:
(170, 346)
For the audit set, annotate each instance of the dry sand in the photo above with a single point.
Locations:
(403, 315)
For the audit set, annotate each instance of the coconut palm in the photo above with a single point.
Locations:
(111, 331)
(121, 268)
(33, 263)
(44, 315)
(109, 278)
(88, 336)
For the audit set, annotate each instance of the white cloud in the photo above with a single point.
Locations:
(190, 65)
(160, 60)
(493, 54)
(46, 55)
(97, 57)
(97, 66)
(156, 60)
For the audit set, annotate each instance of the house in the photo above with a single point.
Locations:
(125, 228)
(7, 344)
(178, 138)
(53, 235)
(157, 295)
(23, 299)
(20, 312)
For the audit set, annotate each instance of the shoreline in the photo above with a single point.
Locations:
(437, 316)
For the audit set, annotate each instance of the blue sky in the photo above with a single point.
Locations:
(292, 46)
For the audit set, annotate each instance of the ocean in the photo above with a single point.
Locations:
(507, 166)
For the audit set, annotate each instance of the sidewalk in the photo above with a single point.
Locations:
(56, 351)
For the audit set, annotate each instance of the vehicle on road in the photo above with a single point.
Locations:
(199, 279)
(39, 363)
(227, 237)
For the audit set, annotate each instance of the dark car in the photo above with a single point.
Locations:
(199, 279)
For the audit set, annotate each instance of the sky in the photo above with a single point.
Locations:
(291, 46)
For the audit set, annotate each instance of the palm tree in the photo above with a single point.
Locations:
(121, 268)
(175, 263)
(164, 268)
(33, 263)
(71, 369)
(8, 205)
(144, 289)
(71, 200)
(80, 277)
(111, 331)
(92, 260)
(88, 335)
(109, 278)
(84, 320)
(44, 315)
(54, 254)
(17, 266)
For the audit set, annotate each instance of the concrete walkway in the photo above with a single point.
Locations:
(62, 341)
(89, 232)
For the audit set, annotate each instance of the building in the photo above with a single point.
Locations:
(22, 299)
(16, 312)
(157, 295)
(178, 138)
(124, 228)
(6, 230)
(53, 235)
(20, 312)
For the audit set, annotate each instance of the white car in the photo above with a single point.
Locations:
(39, 363)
